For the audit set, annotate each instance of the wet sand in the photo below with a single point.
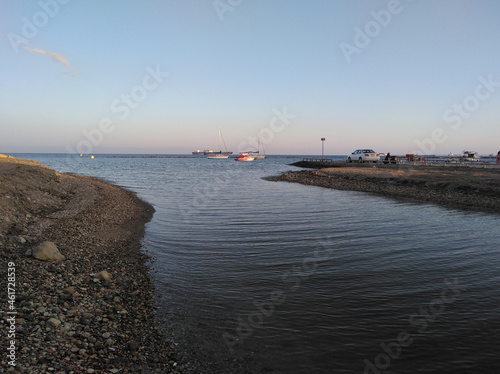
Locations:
(68, 320)
(466, 188)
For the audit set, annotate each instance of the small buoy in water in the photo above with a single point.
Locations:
(92, 156)
(81, 155)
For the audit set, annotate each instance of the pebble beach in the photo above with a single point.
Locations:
(90, 309)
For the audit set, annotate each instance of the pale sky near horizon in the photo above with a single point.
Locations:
(159, 76)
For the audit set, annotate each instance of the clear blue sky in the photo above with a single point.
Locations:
(399, 76)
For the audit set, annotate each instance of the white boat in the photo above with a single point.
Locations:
(258, 155)
(220, 155)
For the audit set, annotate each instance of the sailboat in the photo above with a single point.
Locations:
(220, 154)
(257, 155)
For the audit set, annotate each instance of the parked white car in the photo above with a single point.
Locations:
(363, 155)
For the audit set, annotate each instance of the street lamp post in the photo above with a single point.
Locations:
(322, 149)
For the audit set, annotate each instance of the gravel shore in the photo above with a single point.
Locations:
(92, 312)
(466, 188)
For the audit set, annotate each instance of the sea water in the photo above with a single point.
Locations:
(259, 276)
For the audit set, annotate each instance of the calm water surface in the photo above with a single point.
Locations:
(284, 278)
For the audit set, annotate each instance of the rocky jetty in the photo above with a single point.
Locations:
(85, 305)
(467, 188)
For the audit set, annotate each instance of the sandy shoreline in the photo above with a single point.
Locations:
(67, 321)
(473, 189)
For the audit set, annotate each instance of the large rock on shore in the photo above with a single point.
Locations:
(47, 251)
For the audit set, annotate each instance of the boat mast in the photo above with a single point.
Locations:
(261, 144)
(221, 141)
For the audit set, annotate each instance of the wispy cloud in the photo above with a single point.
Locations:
(57, 57)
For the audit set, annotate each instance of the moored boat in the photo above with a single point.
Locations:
(257, 154)
(216, 156)
(221, 154)
(244, 156)
(259, 157)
